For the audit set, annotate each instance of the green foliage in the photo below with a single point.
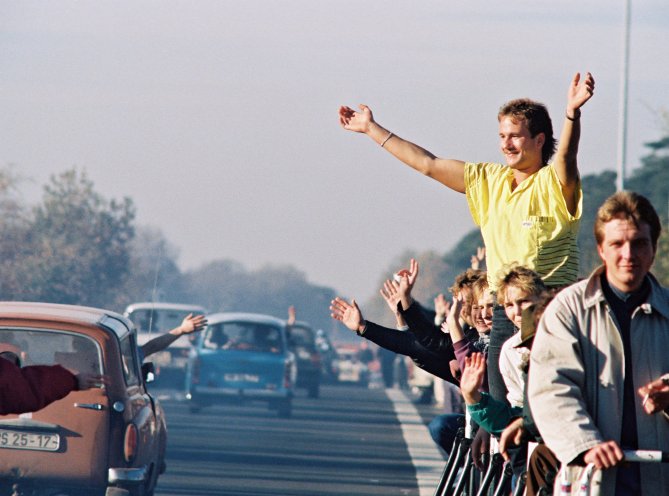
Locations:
(75, 247)
(154, 274)
(596, 189)
(225, 285)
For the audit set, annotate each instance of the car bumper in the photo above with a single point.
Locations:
(127, 476)
(240, 393)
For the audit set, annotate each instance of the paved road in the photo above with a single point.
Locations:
(348, 442)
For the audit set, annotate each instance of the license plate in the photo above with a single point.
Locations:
(29, 440)
(241, 378)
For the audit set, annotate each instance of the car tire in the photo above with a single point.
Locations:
(285, 408)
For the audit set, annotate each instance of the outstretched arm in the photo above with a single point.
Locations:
(566, 166)
(452, 324)
(407, 279)
(348, 314)
(390, 294)
(449, 172)
(189, 325)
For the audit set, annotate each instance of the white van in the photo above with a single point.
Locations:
(153, 319)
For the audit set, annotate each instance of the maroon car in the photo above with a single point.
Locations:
(105, 441)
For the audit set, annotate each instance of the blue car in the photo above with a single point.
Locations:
(242, 357)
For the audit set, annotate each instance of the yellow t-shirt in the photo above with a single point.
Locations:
(529, 225)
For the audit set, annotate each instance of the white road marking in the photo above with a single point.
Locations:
(425, 456)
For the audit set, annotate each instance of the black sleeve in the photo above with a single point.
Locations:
(425, 331)
(405, 343)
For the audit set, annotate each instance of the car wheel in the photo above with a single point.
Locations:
(314, 390)
(285, 408)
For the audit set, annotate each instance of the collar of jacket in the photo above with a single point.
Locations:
(658, 298)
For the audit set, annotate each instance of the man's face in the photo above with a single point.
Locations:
(482, 312)
(522, 152)
(627, 253)
(515, 301)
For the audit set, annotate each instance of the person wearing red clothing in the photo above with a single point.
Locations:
(31, 388)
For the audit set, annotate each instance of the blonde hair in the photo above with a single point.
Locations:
(522, 278)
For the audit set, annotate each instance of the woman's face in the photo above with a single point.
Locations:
(515, 301)
(466, 313)
(482, 312)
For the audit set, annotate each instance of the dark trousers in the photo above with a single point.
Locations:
(541, 472)
(502, 329)
(443, 429)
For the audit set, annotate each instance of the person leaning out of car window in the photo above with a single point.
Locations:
(31, 388)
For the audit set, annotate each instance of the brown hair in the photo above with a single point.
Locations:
(521, 277)
(536, 117)
(465, 279)
(628, 205)
(479, 287)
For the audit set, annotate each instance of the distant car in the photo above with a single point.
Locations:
(302, 342)
(242, 357)
(350, 369)
(153, 319)
(328, 356)
(108, 440)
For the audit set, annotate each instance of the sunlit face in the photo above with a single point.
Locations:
(482, 312)
(627, 253)
(521, 150)
(515, 301)
(466, 312)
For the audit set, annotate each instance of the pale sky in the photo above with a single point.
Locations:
(219, 118)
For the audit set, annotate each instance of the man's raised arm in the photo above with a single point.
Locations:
(566, 165)
(449, 172)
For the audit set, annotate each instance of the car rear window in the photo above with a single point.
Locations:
(302, 336)
(158, 320)
(243, 336)
(75, 352)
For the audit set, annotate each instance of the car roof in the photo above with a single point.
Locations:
(162, 306)
(217, 318)
(76, 314)
(303, 324)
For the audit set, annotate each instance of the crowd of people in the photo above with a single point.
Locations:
(577, 368)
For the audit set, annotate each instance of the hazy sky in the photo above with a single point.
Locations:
(219, 118)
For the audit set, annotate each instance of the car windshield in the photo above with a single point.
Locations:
(244, 336)
(46, 347)
(302, 337)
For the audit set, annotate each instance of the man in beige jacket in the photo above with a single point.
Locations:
(600, 349)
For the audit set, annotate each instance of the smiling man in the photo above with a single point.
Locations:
(600, 342)
(528, 210)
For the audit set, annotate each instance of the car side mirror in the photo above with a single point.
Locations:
(148, 372)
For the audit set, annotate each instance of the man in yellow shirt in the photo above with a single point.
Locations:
(528, 210)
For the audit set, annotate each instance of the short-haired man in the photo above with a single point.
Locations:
(599, 341)
(528, 210)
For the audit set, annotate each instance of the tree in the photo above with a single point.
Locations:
(14, 223)
(225, 285)
(154, 274)
(79, 244)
